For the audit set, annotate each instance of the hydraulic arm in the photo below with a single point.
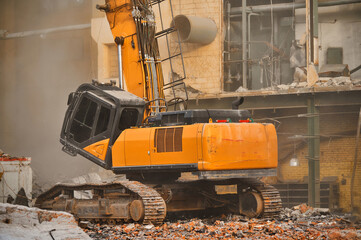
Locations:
(132, 23)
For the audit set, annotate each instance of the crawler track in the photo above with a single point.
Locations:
(125, 201)
(272, 203)
(108, 209)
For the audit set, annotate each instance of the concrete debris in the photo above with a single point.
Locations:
(19, 222)
(300, 75)
(283, 87)
(300, 222)
(242, 89)
(323, 82)
(334, 70)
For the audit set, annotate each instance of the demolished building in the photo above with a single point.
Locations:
(259, 53)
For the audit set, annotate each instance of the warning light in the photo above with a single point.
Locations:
(245, 121)
(222, 121)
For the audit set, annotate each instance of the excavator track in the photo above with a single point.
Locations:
(154, 205)
(136, 200)
(126, 201)
(271, 199)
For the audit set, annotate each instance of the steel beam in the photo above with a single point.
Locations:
(313, 153)
(281, 101)
(244, 44)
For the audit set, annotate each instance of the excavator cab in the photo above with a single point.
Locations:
(96, 116)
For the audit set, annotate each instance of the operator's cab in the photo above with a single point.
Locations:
(95, 117)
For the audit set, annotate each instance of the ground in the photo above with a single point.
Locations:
(297, 223)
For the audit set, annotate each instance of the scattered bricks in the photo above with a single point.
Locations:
(351, 236)
(334, 235)
(310, 225)
(303, 208)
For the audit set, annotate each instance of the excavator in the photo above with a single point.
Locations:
(129, 129)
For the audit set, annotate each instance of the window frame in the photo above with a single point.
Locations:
(99, 102)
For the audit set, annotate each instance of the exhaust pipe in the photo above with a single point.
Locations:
(194, 29)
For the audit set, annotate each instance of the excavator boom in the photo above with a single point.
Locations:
(132, 23)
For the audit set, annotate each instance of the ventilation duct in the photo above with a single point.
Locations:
(194, 29)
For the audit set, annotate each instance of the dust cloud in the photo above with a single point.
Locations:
(36, 75)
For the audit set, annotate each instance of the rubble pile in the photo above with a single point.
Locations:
(324, 82)
(20, 222)
(300, 222)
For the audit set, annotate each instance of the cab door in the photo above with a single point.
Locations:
(89, 129)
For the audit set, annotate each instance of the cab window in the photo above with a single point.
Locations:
(82, 124)
(103, 120)
(91, 119)
(128, 118)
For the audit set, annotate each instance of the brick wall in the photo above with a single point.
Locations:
(337, 156)
(202, 62)
(337, 148)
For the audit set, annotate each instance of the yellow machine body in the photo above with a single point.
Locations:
(208, 146)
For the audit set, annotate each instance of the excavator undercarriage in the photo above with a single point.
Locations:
(132, 201)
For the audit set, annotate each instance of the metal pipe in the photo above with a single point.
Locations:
(6, 35)
(290, 6)
(155, 85)
(229, 80)
(120, 41)
(120, 70)
(249, 33)
(244, 43)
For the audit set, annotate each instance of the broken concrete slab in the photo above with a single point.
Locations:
(334, 70)
(20, 222)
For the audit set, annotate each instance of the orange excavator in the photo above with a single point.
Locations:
(132, 132)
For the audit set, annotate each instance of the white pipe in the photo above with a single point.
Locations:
(6, 35)
(289, 6)
(120, 68)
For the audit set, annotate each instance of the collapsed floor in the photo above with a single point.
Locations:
(301, 222)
